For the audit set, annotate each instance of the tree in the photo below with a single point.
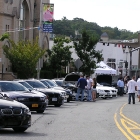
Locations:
(23, 56)
(85, 49)
(60, 55)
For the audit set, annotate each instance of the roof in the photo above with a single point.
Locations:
(104, 34)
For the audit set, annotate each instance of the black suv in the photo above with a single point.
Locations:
(18, 92)
(55, 98)
(14, 115)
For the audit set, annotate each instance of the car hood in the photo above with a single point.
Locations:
(58, 88)
(104, 79)
(21, 94)
(38, 93)
(50, 90)
(11, 103)
(105, 88)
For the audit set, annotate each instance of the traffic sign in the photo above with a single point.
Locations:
(78, 63)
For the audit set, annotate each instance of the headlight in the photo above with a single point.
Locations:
(20, 99)
(26, 110)
(42, 98)
(100, 90)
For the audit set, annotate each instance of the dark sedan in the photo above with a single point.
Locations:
(55, 97)
(53, 84)
(14, 115)
(18, 92)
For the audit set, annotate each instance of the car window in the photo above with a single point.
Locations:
(59, 83)
(11, 86)
(27, 85)
(46, 84)
(51, 83)
(36, 84)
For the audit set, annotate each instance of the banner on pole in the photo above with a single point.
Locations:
(48, 11)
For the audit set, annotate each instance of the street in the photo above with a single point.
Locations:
(110, 119)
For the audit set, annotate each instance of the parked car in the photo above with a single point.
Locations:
(52, 84)
(31, 89)
(55, 97)
(70, 86)
(105, 91)
(18, 92)
(72, 79)
(14, 115)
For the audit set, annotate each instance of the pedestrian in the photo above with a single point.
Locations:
(120, 85)
(81, 84)
(138, 88)
(94, 90)
(89, 88)
(132, 87)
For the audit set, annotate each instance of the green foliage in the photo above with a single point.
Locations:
(4, 36)
(24, 56)
(85, 49)
(59, 56)
(67, 27)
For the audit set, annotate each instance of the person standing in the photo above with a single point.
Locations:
(132, 87)
(81, 84)
(120, 85)
(89, 88)
(138, 88)
(94, 89)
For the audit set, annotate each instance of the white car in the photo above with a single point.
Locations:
(106, 91)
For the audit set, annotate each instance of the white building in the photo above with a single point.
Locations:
(113, 55)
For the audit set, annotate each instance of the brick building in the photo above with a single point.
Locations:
(21, 19)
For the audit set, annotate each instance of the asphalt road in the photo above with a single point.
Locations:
(110, 119)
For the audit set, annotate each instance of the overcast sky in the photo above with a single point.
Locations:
(124, 14)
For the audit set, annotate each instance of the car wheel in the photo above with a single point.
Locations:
(20, 129)
(58, 105)
(40, 111)
(103, 97)
(68, 100)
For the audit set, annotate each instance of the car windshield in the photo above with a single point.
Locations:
(12, 86)
(105, 84)
(46, 84)
(27, 85)
(36, 84)
(59, 83)
(51, 83)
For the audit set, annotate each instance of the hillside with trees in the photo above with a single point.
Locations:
(65, 27)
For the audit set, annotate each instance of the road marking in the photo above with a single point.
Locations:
(120, 128)
(128, 124)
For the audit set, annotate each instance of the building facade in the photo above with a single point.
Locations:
(22, 20)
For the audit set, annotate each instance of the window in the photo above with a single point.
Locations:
(111, 63)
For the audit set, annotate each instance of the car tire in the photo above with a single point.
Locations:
(104, 98)
(20, 129)
(40, 111)
(68, 100)
(58, 105)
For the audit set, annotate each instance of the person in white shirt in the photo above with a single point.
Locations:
(89, 88)
(138, 88)
(132, 87)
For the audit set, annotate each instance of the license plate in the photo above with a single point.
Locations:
(108, 93)
(34, 105)
(54, 99)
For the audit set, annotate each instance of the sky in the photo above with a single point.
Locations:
(123, 14)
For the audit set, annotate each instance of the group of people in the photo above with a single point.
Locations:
(132, 85)
(88, 84)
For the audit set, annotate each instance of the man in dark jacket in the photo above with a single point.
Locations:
(81, 84)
